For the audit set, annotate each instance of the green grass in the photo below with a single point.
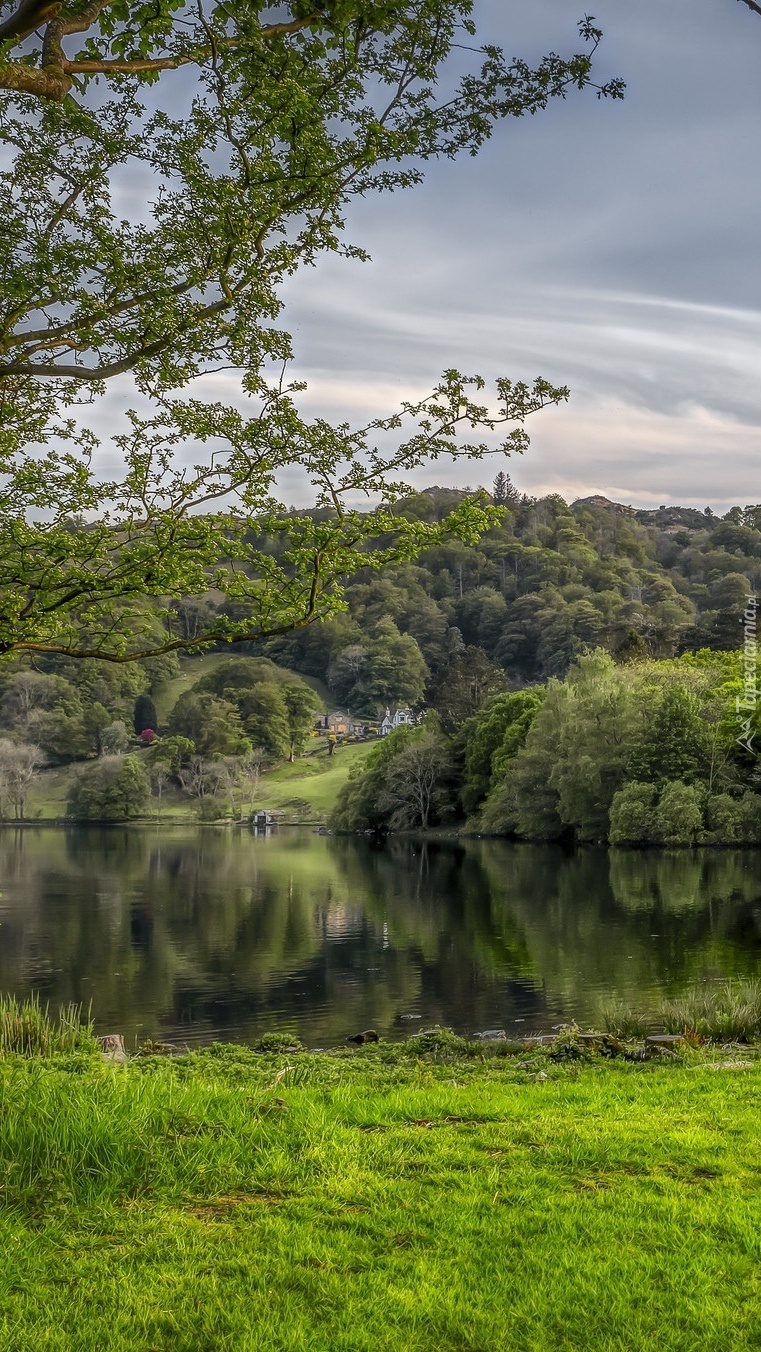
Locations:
(27, 1029)
(310, 786)
(617, 1018)
(719, 1013)
(306, 790)
(49, 793)
(379, 1201)
(191, 670)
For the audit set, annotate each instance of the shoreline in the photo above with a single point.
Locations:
(319, 826)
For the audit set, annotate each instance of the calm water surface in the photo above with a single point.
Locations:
(191, 934)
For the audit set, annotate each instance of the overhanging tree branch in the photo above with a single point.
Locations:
(54, 78)
(121, 557)
(280, 127)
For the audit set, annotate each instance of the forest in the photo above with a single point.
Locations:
(636, 754)
(547, 584)
(576, 675)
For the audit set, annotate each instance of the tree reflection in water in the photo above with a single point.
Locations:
(195, 934)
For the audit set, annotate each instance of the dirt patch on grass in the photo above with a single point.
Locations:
(218, 1208)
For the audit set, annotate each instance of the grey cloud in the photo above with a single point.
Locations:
(610, 246)
(654, 354)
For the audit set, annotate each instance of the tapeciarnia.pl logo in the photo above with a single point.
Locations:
(745, 706)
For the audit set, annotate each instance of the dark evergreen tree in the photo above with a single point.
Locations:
(144, 714)
(464, 685)
(504, 493)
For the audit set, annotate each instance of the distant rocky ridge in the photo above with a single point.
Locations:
(665, 518)
(689, 518)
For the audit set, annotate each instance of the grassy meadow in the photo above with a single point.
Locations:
(428, 1196)
(310, 786)
(304, 791)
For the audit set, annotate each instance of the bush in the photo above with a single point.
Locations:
(212, 809)
(112, 789)
(749, 815)
(723, 820)
(679, 816)
(499, 815)
(632, 815)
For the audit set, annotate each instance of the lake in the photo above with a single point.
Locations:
(191, 934)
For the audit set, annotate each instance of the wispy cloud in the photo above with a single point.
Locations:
(665, 400)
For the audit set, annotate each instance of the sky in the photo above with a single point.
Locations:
(609, 246)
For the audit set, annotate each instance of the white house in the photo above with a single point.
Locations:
(398, 719)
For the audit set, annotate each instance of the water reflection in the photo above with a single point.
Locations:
(190, 934)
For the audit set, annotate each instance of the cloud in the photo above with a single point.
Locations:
(609, 246)
(643, 458)
(612, 247)
(665, 402)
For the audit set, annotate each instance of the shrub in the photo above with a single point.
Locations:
(749, 814)
(212, 809)
(723, 816)
(679, 816)
(112, 789)
(632, 818)
(498, 816)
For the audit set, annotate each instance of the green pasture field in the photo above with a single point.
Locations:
(306, 790)
(408, 1198)
(310, 787)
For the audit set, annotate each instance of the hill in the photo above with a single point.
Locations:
(544, 585)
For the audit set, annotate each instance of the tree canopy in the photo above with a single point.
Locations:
(637, 754)
(150, 217)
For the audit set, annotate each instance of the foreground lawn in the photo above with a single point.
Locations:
(379, 1201)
